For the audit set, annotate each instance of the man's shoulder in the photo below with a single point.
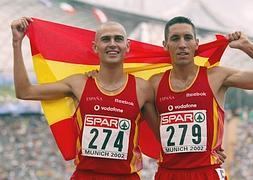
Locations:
(143, 85)
(144, 89)
(76, 79)
(156, 76)
(218, 70)
(155, 79)
(78, 76)
(141, 82)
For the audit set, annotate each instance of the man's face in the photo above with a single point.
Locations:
(181, 44)
(111, 44)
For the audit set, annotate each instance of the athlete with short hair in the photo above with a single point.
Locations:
(110, 105)
(190, 102)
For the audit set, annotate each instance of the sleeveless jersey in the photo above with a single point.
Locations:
(110, 127)
(191, 123)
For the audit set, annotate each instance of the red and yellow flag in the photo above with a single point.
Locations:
(59, 51)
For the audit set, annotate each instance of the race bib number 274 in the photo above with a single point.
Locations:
(106, 137)
(184, 131)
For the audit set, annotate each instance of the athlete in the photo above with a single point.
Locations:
(190, 103)
(110, 105)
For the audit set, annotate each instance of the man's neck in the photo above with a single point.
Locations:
(182, 77)
(110, 75)
(184, 72)
(111, 80)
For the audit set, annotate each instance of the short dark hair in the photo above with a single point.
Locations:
(178, 20)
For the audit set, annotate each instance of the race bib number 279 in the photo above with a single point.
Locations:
(184, 131)
(106, 137)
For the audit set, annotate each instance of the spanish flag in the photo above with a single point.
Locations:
(59, 51)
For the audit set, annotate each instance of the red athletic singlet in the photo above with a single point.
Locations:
(109, 133)
(191, 124)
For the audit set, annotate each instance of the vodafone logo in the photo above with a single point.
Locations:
(96, 107)
(170, 108)
(107, 108)
(182, 106)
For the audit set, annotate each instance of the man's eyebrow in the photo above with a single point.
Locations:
(105, 36)
(112, 36)
(119, 36)
(174, 35)
(188, 34)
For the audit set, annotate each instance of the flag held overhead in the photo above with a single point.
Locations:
(59, 51)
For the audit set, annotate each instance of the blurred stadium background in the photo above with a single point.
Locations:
(27, 149)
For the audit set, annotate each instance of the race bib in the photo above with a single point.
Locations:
(105, 137)
(183, 131)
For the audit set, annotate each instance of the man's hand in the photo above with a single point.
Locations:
(237, 40)
(19, 28)
(220, 154)
(91, 74)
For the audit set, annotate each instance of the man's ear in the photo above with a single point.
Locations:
(128, 45)
(197, 44)
(165, 46)
(94, 47)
